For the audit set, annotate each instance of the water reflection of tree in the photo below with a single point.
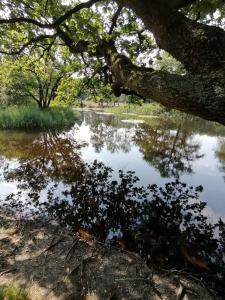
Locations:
(167, 146)
(42, 159)
(220, 154)
(106, 132)
(160, 223)
(113, 139)
(172, 152)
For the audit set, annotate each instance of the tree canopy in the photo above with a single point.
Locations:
(122, 43)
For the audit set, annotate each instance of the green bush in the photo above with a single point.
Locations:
(12, 293)
(35, 118)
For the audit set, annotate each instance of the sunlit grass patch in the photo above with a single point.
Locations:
(13, 292)
(154, 109)
(35, 118)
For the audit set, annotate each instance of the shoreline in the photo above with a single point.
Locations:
(53, 263)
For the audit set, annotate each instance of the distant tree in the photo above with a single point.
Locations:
(166, 62)
(43, 79)
(71, 91)
(30, 77)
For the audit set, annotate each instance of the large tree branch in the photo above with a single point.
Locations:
(73, 11)
(56, 23)
(201, 95)
(198, 46)
(131, 93)
(79, 47)
(25, 20)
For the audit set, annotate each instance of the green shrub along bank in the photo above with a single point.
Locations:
(153, 109)
(12, 293)
(35, 118)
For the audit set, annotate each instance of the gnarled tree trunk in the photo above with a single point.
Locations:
(199, 47)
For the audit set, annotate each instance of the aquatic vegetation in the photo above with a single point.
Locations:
(35, 118)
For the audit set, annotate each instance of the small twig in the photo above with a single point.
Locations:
(80, 264)
(13, 251)
(74, 269)
(146, 280)
(81, 272)
(52, 245)
(115, 18)
(72, 249)
(132, 279)
(8, 271)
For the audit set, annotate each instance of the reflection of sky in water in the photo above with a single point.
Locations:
(207, 173)
(206, 170)
(117, 149)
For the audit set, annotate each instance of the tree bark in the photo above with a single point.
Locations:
(198, 94)
(198, 46)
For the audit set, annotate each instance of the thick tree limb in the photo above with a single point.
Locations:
(201, 94)
(198, 46)
(132, 93)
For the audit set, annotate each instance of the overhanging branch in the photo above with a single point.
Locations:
(56, 23)
(74, 10)
(25, 20)
(197, 94)
(30, 42)
(131, 93)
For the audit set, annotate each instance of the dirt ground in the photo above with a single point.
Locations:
(52, 263)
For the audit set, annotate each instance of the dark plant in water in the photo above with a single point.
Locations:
(165, 225)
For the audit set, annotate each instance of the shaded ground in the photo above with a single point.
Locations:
(54, 264)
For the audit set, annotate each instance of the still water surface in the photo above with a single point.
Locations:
(159, 151)
(65, 175)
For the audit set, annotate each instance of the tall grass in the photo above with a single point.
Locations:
(153, 109)
(35, 118)
(12, 293)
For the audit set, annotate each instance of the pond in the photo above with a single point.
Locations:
(191, 150)
(86, 177)
(159, 151)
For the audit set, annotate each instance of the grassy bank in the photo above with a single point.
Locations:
(35, 118)
(153, 109)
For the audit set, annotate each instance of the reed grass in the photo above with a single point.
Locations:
(12, 292)
(35, 118)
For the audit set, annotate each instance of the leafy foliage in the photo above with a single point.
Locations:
(166, 62)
